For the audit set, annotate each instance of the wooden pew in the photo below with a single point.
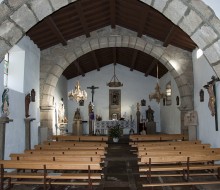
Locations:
(47, 175)
(80, 138)
(42, 157)
(60, 147)
(158, 137)
(144, 144)
(67, 152)
(73, 143)
(180, 163)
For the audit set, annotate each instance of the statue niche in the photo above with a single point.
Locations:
(77, 123)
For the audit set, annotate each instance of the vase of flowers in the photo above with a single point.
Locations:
(115, 132)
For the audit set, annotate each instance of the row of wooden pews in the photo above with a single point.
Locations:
(176, 158)
(66, 162)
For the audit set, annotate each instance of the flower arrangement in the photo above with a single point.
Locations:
(115, 131)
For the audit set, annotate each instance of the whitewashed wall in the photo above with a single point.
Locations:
(170, 115)
(15, 131)
(206, 128)
(135, 88)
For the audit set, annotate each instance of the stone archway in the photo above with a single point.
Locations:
(56, 59)
(194, 17)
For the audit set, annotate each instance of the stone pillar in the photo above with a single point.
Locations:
(47, 114)
(3, 121)
(28, 132)
(138, 114)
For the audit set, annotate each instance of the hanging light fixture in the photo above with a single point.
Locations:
(114, 82)
(157, 95)
(77, 94)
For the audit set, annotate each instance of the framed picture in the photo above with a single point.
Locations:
(114, 104)
(115, 97)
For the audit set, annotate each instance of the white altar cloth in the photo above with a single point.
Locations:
(103, 126)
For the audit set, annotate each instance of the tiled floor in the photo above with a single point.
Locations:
(121, 173)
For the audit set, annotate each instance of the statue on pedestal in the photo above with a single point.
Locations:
(150, 114)
(77, 123)
(5, 103)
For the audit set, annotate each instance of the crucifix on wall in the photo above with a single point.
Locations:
(93, 90)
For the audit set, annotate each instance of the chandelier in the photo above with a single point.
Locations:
(77, 94)
(114, 82)
(157, 95)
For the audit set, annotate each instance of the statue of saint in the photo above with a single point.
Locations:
(150, 114)
(5, 103)
(61, 112)
(77, 114)
(27, 103)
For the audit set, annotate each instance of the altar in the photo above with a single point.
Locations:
(101, 127)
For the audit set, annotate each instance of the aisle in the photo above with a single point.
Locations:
(121, 171)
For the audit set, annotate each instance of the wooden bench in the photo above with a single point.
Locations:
(159, 137)
(80, 138)
(50, 173)
(67, 152)
(36, 157)
(184, 164)
(78, 144)
(52, 147)
(144, 144)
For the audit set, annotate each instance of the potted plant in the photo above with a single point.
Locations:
(115, 132)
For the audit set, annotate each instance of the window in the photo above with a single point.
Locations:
(6, 65)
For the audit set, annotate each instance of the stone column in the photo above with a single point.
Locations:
(138, 114)
(28, 132)
(3, 121)
(47, 115)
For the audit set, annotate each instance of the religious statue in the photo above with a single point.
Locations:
(27, 103)
(138, 106)
(61, 112)
(150, 114)
(77, 114)
(90, 108)
(209, 86)
(5, 103)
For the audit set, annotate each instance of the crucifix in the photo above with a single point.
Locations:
(93, 90)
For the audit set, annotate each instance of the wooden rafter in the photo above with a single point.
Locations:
(169, 36)
(112, 12)
(151, 67)
(95, 60)
(53, 27)
(134, 58)
(143, 17)
(82, 18)
(79, 69)
(114, 55)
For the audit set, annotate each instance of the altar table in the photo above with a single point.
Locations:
(102, 127)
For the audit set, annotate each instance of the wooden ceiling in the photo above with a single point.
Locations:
(84, 16)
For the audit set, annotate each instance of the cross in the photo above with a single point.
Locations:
(93, 90)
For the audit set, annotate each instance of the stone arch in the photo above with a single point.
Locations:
(56, 59)
(194, 17)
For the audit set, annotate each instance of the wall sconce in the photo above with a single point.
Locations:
(33, 95)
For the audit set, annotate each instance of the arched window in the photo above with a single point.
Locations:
(6, 65)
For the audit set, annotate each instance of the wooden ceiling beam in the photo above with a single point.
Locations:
(112, 12)
(79, 69)
(169, 36)
(143, 18)
(151, 67)
(134, 58)
(114, 55)
(95, 60)
(53, 27)
(82, 18)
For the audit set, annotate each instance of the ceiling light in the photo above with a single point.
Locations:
(77, 94)
(114, 82)
(157, 95)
